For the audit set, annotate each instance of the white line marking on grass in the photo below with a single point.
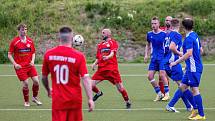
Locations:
(137, 64)
(123, 75)
(117, 109)
(8, 75)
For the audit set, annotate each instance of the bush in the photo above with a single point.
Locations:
(3, 57)
(200, 7)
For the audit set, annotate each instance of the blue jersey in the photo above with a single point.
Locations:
(193, 63)
(157, 44)
(175, 37)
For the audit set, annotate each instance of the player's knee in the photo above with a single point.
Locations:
(25, 84)
(35, 80)
(93, 83)
(162, 75)
(120, 87)
(195, 91)
(182, 87)
(150, 77)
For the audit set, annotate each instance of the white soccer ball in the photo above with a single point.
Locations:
(78, 40)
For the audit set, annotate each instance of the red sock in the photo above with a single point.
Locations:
(25, 92)
(161, 86)
(95, 89)
(124, 94)
(35, 89)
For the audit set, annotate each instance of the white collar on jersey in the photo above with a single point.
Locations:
(24, 40)
(157, 32)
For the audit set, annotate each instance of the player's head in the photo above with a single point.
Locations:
(155, 23)
(168, 21)
(187, 24)
(22, 29)
(175, 23)
(66, 35)
(106, 33)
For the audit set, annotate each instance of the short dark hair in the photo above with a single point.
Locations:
(188, 23)
(155, 18)
(175, 22)
(65, 30)
(21, 25)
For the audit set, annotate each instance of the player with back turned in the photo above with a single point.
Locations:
(66, 66)
(192, 56)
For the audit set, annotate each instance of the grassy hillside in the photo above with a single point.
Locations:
(129, 19)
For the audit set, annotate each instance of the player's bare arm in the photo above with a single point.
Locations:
(201, 50)
(147, 48)
(108, 56)
(10, 57)
(173, 48)
(32, 60)
(94, 64)
(183, 58)
(88, 89)
(46, 85)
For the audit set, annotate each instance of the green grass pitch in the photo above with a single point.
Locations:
(110, 107)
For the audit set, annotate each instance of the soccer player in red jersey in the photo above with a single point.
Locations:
(22, 55)
(66, 66)
(108, 66)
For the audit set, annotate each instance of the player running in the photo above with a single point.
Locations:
(173, 44)
(156, 39)
(66, 66)
(108, 66)
(22, 55)
(192, 56)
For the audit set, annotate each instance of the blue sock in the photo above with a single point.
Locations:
(166, 88)
(157, 89)
(186, 102)
(198, 100)
(175, 98)
(189, 96)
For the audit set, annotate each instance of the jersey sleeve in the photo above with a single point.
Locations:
(83, 67)
(189, 43)
(175, 38)
(113, 46)
(45, 67)
(33, 47)
(147, 38)
(97, 52)
(200, 45)
(11, 47)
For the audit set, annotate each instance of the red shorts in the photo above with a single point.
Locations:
(111, 75)
(67, 115)
(24, 73)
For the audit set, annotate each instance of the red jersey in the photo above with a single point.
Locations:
(104, 48)
(163, 28)
(66, 66)
(22, 51)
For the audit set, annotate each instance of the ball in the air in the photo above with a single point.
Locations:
(78, 40)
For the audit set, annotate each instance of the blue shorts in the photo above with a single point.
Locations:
(175, 73)
(156, 65)
(192, 79)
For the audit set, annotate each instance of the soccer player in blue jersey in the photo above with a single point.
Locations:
(166, 29)
(192, 56)
(173, 43)
(155, 39)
